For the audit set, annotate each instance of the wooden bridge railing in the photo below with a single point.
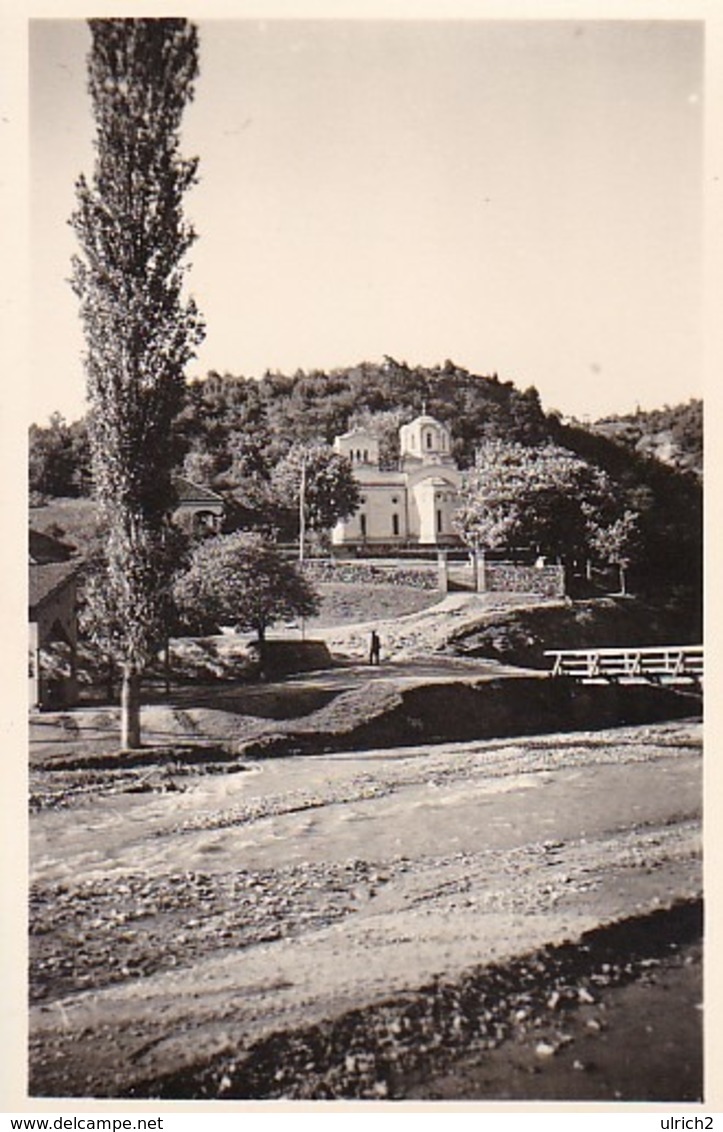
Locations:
(659, 664)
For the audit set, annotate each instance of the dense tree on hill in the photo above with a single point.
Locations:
(669, 504)
(139, 331)
(59, 458)
(673, 435)
(318, 405)
(279, 410)
(202, 466)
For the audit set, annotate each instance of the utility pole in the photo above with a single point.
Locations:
(302, 508)
(302, 525)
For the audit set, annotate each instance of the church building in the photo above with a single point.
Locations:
(413, 504)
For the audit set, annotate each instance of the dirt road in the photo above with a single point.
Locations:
(229, 712)
(176, 934)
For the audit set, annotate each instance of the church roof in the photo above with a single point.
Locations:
(424, 418)
(434, 481)
(356, 431)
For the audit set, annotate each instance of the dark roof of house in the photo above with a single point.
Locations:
(45, 579)
(45, 548)
(52, 565)
(189, 492)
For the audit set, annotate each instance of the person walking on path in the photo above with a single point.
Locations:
(375, 648)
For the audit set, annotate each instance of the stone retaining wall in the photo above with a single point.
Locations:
(509, 577)
(422, 577)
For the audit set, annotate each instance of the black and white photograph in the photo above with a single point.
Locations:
(365, 533)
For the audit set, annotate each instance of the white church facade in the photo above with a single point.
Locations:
(413, 504)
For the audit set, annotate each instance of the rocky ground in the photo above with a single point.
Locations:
(386, 924)
(630, 1030)
(633, 1030)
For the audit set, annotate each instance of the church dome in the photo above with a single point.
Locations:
(425, 438)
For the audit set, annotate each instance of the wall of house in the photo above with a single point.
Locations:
(433, 503)
(423, 509)
(45, 687)
(59, 606)
(194, 516)
(359, 447)
(374, 520)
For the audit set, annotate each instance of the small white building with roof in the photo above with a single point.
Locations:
(413, 504)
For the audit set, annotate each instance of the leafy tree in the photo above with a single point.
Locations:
(246, 482)
(99, 618)
(248, 452)
(241, 579)
(59, 458)
(543, 497)
(200, 465)
(139, 331)
(619, 543)
(668, 501)
(330, 491)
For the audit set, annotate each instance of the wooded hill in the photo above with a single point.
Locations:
(672, 435)
(224, 413)
(232, 432)
(277, 409)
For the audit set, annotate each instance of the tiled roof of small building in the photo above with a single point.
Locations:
(45, 548)
(189, 492)
(47, 578)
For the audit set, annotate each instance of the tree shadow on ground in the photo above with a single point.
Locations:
(261, 702)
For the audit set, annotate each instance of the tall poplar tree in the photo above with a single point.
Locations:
(140, 330)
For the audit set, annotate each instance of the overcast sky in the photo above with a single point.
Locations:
(522, 197)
